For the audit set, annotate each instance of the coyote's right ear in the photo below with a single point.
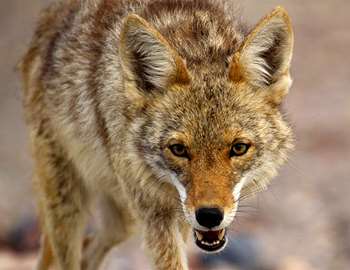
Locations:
(147, 58)
(264, 57)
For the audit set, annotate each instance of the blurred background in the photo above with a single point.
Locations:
(302, 222)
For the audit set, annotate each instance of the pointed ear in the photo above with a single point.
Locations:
(147, 59)
(265, 56)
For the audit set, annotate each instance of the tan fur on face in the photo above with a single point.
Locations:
(211, 184)
(210, 174)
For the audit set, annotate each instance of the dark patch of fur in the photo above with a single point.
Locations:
(273, 57)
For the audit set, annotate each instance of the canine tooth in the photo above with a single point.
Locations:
(221, 234)
(199, 236)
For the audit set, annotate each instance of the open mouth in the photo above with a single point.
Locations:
(210, 241)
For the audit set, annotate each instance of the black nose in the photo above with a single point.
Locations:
(209, 217)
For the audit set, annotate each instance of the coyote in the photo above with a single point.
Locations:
(164, 114)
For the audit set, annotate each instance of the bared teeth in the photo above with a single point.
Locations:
(210, 241)
(210, 244)
(221, 234)
(199, 235)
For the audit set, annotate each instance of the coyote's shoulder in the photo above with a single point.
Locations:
(168, 111)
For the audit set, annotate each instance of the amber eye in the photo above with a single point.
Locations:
(178, 150)
(239, 149)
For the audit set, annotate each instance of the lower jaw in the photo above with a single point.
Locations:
(211, 245)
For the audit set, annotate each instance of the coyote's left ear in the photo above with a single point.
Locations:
(148, 60)
(265, 56)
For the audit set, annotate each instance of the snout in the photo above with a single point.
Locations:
(210, 208)
(212, 235)
(209, 217)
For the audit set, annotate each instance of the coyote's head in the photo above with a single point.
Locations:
(206, 113)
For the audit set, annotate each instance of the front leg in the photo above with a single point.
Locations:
(164, 243)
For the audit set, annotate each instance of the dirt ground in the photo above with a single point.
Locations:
(303, 220)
